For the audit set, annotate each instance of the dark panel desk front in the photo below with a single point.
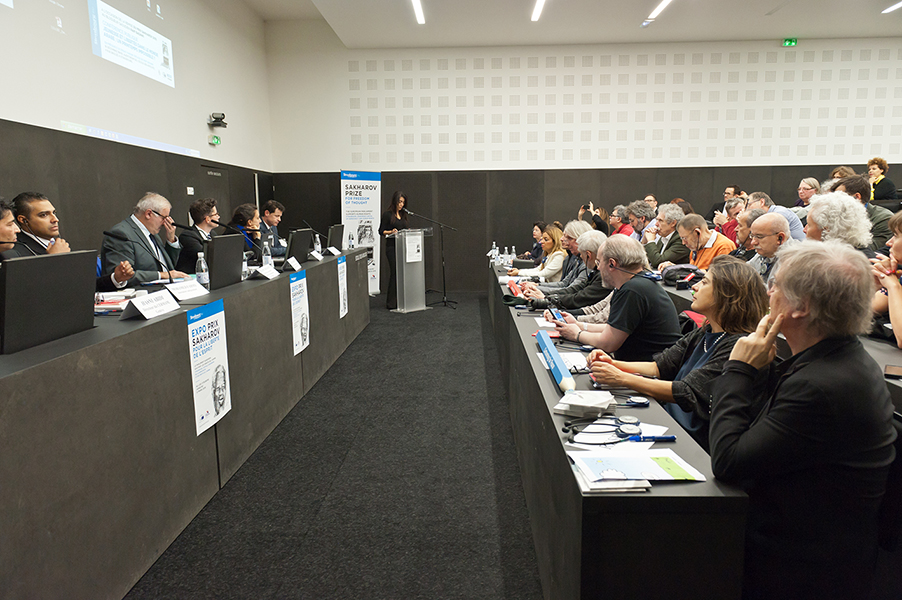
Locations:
(101, 467)
(678, 540)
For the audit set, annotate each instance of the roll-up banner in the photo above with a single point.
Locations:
(361, 196)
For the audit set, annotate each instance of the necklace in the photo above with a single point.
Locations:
(714, 343)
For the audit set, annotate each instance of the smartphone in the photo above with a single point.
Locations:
(892, 372)
(559, 317)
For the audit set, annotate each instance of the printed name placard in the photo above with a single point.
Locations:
(185, 290)
(150, 306)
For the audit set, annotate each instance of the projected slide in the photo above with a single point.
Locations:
(118, 38)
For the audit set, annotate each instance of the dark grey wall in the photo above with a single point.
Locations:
(501, 206)
(94, 184)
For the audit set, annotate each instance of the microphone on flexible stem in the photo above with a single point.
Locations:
(180, 226)
(411, 213)
(238, 231)
(311, 228)
(22, 244)
(122, 237)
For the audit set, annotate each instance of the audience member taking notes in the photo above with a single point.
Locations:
(137, 239)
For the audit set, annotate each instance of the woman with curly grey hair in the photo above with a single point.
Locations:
(838, 216)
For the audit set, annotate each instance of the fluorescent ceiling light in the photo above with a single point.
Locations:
(892, 8)
(418, 11)
(659, 10)
(537, 11)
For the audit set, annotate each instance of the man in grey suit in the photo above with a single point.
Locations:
(137, 239)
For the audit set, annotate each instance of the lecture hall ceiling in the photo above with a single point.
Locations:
(462, 23)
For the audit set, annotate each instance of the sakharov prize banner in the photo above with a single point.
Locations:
(361, 196)
(209, 364)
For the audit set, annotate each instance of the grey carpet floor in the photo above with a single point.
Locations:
(395, 477)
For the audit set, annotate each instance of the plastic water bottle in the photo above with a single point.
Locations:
(317, 245)
(350, 240)
(245, 272)
(202, 271)
(267, 255)
(513, 253)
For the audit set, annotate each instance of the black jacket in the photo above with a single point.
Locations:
(814, 462)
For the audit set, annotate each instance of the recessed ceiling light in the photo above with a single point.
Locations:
(892, 8)
(418, 11)
(537, 11)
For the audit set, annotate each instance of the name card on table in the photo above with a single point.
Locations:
(333, 250)
(150, 306)
(185, 290)
(316, 255)
(266, 272)
(293, 263)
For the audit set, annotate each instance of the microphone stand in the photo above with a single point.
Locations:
(444, 292)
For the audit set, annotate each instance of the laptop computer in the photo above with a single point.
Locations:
(44, 298)
(299, 243)
(224, 258)
(336, 237)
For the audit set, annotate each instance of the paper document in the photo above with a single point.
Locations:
(541, 322)
(655, 465)
(571, 359)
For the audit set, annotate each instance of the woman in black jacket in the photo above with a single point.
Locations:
(733, 299)
(393, 220)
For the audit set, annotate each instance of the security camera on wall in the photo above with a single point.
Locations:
(217, 120)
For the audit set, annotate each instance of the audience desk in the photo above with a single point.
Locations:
(678, 540)
(101, 466)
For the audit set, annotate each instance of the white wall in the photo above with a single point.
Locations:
(220, 66)
(743, 103)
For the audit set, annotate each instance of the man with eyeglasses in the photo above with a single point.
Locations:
(731, 191)
(744, 221)
(768, 234)
(762, 200)
(703, 243)
(137, 239)
(203, 212)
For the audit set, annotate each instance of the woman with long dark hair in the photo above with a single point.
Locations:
(733, 299)
(246, 219)
(393, 220)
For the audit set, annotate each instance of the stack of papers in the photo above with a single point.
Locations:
(599, 472)
(584, 403)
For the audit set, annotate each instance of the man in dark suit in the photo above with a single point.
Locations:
(39, 231)
(38, 234)
(661, 241)
(8, 228)
(270, 216)
(137, 239)
(203, 212)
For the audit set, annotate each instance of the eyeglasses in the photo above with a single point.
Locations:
(761, 236)
(159, 215)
